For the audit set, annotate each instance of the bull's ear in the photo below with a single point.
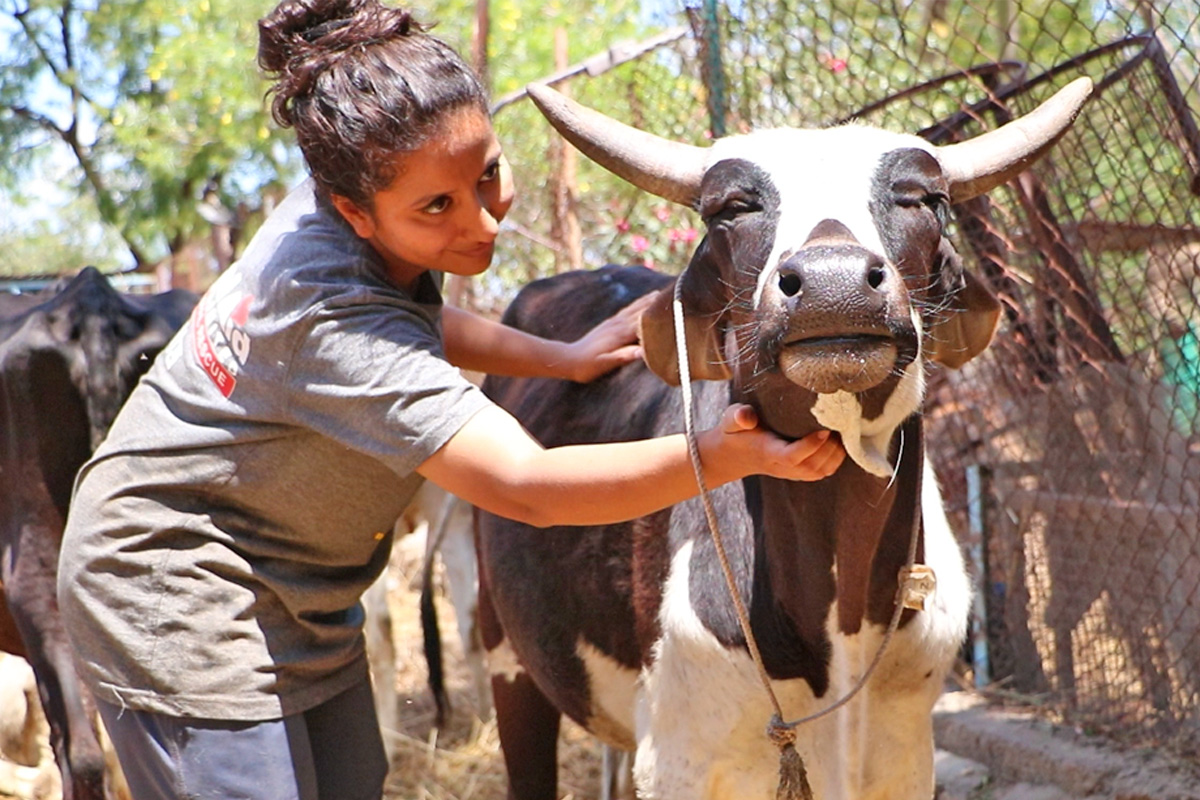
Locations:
(656, 330)
(966, 327)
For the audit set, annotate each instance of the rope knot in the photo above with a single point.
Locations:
(780, 733)
(793, 777)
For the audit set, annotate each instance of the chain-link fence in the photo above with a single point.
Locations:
(1070, 452)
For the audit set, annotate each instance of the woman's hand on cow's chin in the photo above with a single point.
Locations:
(739, 447)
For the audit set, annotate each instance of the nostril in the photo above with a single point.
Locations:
(790, 283)
(875, 277)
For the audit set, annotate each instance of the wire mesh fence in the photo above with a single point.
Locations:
(1069, 452)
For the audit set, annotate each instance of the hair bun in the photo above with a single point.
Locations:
(303, 30)
(361, 84)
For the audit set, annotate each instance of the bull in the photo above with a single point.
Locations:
(824, 288)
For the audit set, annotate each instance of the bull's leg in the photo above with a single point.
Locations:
(616, 774)
(528, 723)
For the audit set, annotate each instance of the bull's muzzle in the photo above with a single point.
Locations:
(846, 310)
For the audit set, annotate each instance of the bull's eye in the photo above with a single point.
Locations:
(732, 203)
(790, 283)
(915, 196)
(939, 204)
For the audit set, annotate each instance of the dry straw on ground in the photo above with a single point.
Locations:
(463, 761)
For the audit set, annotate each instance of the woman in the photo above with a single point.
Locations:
(220, 538)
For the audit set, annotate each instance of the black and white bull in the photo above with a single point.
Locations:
(68, 360)
(823, 287)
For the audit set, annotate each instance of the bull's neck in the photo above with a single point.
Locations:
(839, 542)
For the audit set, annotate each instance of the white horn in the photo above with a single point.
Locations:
(671, 170)
(983, 163)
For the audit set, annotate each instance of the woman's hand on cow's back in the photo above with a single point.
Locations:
(612, 343)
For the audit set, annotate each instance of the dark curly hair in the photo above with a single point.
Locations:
(361, 83)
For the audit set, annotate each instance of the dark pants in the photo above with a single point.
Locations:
(331, 752)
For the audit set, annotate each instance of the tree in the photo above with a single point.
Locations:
(157, 108)
(57, 246)
(656, 91)
(155, 105)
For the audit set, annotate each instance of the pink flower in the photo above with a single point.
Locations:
(831, 63)
(662, 212)
(622, 225)
(639, 243)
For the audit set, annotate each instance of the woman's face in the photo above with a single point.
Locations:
(443, 210)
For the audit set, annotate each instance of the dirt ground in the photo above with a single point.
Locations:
(463, 761)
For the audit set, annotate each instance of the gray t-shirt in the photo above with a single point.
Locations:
(220, 538)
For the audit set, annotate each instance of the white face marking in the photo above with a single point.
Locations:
(867, 441)
(812, 170)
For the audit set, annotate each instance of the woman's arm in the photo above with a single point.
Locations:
(492, 462)
(478, 344)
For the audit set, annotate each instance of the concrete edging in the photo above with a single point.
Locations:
(1018, 747)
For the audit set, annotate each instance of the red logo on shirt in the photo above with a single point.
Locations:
(221, 342)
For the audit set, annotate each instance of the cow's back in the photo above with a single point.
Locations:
(567, 603)
(565, 307)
